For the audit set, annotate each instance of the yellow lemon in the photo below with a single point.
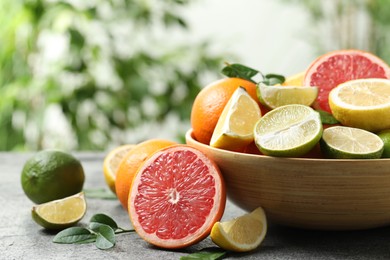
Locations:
(241, 234)
(234, 129)
(362, 103)
(111, 163)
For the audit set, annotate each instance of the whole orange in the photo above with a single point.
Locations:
(209, 103)
(130, 164)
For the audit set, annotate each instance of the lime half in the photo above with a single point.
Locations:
(277, 96)
(288, 131)
(60, 214)
(342, 142)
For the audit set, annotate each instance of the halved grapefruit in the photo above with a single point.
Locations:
(334, 68)
(176, 197)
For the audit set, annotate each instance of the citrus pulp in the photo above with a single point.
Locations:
(334, 68)
(176, 197)
(234, 129)
(130, 164)
(111, 163)
(60, 214)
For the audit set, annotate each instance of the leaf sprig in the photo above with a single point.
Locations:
(241, 71)
(101, 230)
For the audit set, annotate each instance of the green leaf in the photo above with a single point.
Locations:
(100, 193)
(236, 70)
(105, 237)
(205, 255)
(104, 219)
(327, 118)
(74, 235)
(273, 79)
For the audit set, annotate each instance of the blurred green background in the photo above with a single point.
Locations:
(89, 75)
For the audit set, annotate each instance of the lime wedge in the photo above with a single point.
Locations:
(342, 142)
(288, 131)
(60, 214)
(277, 96)
(234, 129)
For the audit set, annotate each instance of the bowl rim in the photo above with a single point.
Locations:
(189, 136)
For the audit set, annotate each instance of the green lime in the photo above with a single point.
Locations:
(342, 142)
(385, 136)
(277, 96)
(60, 214)
(51, 175)
(288, 131)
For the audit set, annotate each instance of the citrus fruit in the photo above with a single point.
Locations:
(50, 175)
(241, 234)
(295, 80)
(288, 131)
(234, 129)
(60, 214)
(130, 163)
(385, 136)
(210, 102)
(342, 142)
(363, 103)
(277, 96)
(111, 163)
(176, 197)
(334, 68)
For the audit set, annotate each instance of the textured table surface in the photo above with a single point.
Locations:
(21, 238)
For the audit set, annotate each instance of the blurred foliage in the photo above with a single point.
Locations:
(99, 67)
(349, 24)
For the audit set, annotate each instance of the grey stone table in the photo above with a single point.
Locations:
(21, 238)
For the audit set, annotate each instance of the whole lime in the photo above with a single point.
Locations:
(385, 136)
(50, 175)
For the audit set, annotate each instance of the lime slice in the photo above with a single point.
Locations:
(288, 131)
(241, 234)
(277, 96)
(234, 129)
(60, 214)
(342, 142)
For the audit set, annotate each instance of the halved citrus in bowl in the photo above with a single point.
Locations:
(288, 131)
(342, 142)
(362, 103)
(277, 96)
(176, 197)
(334, 68)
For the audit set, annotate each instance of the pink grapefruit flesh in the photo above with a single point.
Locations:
(334, 68)
(176, 197)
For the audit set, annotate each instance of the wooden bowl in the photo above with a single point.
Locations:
(323, 194)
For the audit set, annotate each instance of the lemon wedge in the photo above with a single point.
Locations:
(60, 214)
(241, 234)
(234, 129)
